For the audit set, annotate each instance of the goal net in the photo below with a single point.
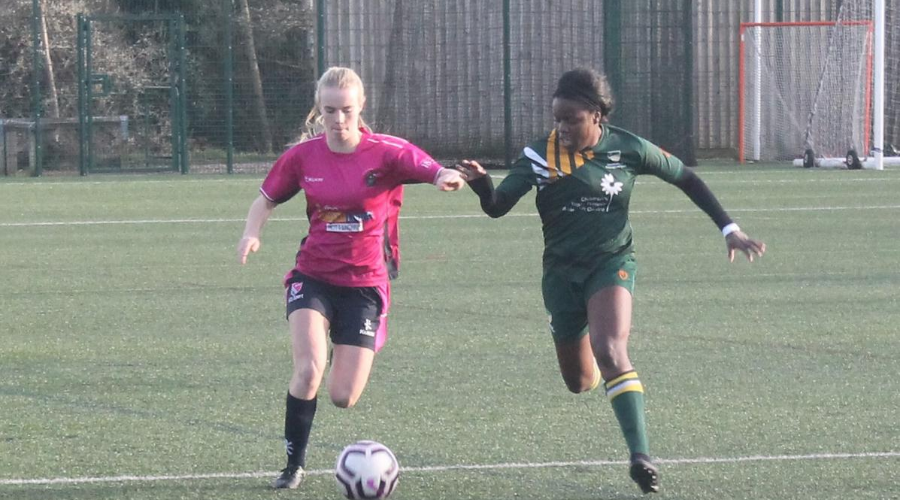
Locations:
(814, 92)
(805, 86)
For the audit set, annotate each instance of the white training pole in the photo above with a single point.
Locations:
(756, 119)
(878, 81)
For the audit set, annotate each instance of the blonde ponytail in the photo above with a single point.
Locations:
(335, 77)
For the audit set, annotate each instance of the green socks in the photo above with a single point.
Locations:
(626, 394)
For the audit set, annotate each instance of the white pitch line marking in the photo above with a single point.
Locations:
(459, 467)
(425, 217)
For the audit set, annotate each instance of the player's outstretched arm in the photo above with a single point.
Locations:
(260, 211)
(495, 203)
(735, 239)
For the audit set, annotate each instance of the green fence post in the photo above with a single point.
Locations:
(228, 5)
(688, 96)
(88, 93)
(82, 132)
(320, 37)
(507, 88)
(182, 94)
(3, 135)
(36, 85)
(174, 110)
(612, 44)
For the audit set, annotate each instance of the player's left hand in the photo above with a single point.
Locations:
(449, 179)
(738, 240)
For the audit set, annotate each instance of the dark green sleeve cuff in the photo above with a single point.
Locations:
(494, 203)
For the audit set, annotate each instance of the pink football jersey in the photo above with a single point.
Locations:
(352, 202)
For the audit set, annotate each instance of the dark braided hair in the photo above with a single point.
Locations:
(587, 87)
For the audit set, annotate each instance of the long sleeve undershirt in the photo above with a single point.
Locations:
(497, 204)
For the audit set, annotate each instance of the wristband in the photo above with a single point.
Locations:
(730, 228)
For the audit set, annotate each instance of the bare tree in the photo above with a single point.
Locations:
(48, 61)
(245, 32)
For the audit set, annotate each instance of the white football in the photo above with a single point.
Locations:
(366, 470)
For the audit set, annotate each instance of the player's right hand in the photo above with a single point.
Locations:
(245, 246)
(449, 179)
(470, 170)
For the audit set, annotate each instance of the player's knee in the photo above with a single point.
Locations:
(343, 399)
(308, 373)
(577, 384)
(606, 360)
(612, 361)
(611, 354)
(577, 388)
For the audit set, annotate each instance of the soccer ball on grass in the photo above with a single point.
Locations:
(366, 470)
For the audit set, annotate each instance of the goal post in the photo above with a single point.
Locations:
(880, 15)
(805, 86)
(815, 92)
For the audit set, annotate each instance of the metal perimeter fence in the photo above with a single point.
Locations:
(224, 85)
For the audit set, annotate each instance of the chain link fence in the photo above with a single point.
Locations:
(224, 85)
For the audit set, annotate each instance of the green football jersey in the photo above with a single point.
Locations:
(583, 197)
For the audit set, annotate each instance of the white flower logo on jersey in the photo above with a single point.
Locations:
(610, 187)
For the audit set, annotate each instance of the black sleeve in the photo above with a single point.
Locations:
(694, 187)
(494, 203)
